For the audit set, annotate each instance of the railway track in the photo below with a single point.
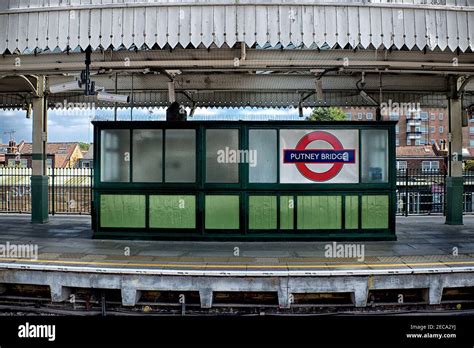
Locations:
(27, 300)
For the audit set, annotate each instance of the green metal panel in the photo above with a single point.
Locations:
(454, 194)
(172, 211)
(375, 209)
(319, 212)
(39, 197)
(123, 211)
(287, 212)
(351, 212)
(222, 212)
(262, 212)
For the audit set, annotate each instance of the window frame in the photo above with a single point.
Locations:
(239, 166)
(129, 151)
(431, 169)
(404, 168)
(276, 156)
(164, 170)
(362, 159)
(132, 156)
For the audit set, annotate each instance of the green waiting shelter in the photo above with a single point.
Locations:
(199, 180)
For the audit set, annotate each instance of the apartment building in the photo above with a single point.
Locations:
(429, 126)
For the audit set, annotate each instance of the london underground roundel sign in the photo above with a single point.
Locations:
(319, 156)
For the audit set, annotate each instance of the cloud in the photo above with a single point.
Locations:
(74, 125)
(206, 112)
(17, 122)
(61, 126)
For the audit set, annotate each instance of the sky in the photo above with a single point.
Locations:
(75, 124)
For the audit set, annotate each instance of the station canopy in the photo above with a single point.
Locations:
(236, 53)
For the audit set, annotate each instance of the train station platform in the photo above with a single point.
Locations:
(428, 256)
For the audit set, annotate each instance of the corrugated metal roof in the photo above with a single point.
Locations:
(243, 99)
(67, 24)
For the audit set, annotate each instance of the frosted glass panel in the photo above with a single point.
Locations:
(319, 212)
(374, 156)
(222, 147)
(147, 155)
(287, 212)
(180, 156)
(352, 212)
(262, 212)
(122, 211)
(172, 211)
(263, 155)
(115, 155)
(375, 211)
(222, 212)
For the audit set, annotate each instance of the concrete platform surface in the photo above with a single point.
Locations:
(429, 256)
(424, 243)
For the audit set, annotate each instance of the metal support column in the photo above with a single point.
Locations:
(39, 178)
(454, 181)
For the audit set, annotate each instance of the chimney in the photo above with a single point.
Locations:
(12, 148)
(444, 147)
(441, 150)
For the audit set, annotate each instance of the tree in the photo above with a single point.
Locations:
(469, 165)
(327, 114)
(84, 146)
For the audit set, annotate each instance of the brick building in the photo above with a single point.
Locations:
(427, 127)
(468, 140)
(426, 158)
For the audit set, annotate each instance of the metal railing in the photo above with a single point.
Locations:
(70, 190)
(424, 192)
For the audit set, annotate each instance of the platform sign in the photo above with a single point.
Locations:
(319, 156)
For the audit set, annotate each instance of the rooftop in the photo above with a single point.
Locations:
(89, 154)
(416, 151)
(62, 151)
